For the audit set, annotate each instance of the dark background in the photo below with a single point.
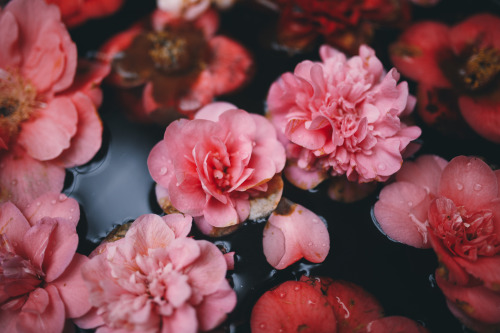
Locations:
(116, 187)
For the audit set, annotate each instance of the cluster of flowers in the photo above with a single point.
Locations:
(338, 118)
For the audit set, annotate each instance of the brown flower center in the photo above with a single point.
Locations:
(17, 102)
(480, 68)
(169, 52)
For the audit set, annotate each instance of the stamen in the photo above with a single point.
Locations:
(481, 68)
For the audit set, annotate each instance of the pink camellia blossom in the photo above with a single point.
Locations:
(292, 233)
(76, 12)
(455, 208)
(157, 279)
(40, 280)
(341, 117)
(46, 123)
(168, 67)
(218, 166)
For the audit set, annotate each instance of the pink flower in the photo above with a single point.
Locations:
(40, 280)
(157, 279)
(455, 208)
(341, 117)
(294, 232)
(191, 9)
(219, 166)
(169, 67)
(46, 124)
(76, 12)
(457, 69)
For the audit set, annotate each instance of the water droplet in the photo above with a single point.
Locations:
(410, 203)
(282, 295)
(310, 244)
(324, 244)
(297, 288)
(310, 302)
(432, 280)
(53, 202)
(163, 171)
(62, 197)
(72, 210)
(262, 326)
(478, 187)
(38, 203)
(382, 166)
(468, 165)
(14, 182)
(460, 186)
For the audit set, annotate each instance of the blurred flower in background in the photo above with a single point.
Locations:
(76, 12)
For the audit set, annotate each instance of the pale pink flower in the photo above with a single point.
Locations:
(46, 124)
(40, 279)
(156, 279)
(455, 208)
(217, 166)
(341, 116)
(294, 232)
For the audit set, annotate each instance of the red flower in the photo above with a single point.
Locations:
(172, 66)
(76, 12)
(457, 68)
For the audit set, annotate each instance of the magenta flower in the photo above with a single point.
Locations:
(219, 166)
(157, 279)
(341, 117)
(294, 232)
(455, 208)
(40, 279)
(46, 124)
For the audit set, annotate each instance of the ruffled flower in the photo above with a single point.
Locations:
(40, 279)
(457, 68)
(191, 9)
(223, 167)
(76, 12)
(455, 208)
(341, 117)
(157, 279)
(48, 122)
(170, 67)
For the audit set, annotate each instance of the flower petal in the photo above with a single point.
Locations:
(215, 307)
(50, 320)
(53, 205)
(483, 115)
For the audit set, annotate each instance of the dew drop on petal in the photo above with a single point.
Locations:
(382, 167)
(310, 244)
(324, 244)
(468, 165)
(38, 203)
(62, 197)
(478, 187)
(460, 186)
(163, 171)
(14, 182)
(410, 203)
(72, 210)
(53, 202)
(297, 288)
(262, 326)
(282, 295)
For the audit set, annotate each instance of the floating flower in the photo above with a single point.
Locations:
(223, 167)
(345, 24)
(46, 124)
(321, 304)
(341, 117)
(457, 68)
(294, 232)
(76, 12)
(40, 279)
(173, 67)
(455, 208)
(157, 279)
(191, 9)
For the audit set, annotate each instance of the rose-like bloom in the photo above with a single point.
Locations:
(455, 208)
(167, 67)
(46, 123)
(219, 165)
(341, 117)
(76, 12)
(191, 9)
(457, 68)
(40, 280)
(345, 24)
(156, 279)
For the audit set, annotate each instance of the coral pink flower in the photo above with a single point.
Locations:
(341, 117)
(455, 208)
(40, 279)
(292, 233)
(217, 166)
(157, 279)
(172, 67)
(46, 124)
(457, 68)
(76, 12)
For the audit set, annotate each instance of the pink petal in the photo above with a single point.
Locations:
(179, 224)
(449, 269)
(478, 302)
(293, 232)
(88, 137)
(419, 51)
(215, 307)
(36, 241)
(45, 136)
(182, 252)
(311, 139)
(8, 320)
(475, 325)
(72, 288)
(486, 269)
(208, 271)
(183, 320)
(13, 225)
(188, 197)
(483, 115)
(468, 182)
(149, 231)
(220, 215)
(213, 110)
(9, 39)
(61, 249)
(89, 320)
(304, 179)
(425, 172)
(401, 213)
(393, 324)
(50, 320)
(24, 178)
(160, 165)
(480, 30)
(53, 205)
